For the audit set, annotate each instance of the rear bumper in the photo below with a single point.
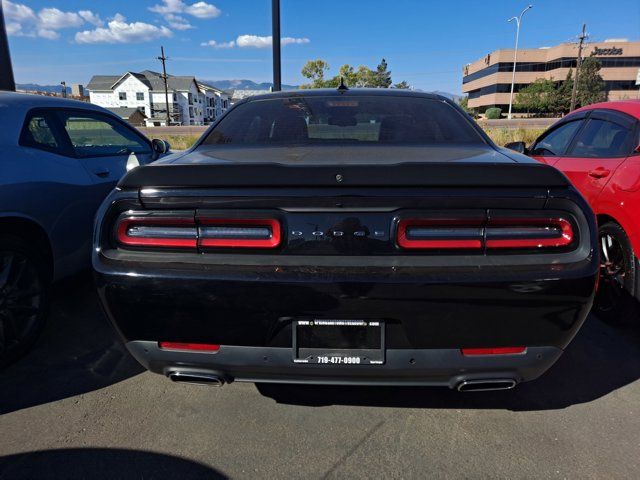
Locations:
(408, 367)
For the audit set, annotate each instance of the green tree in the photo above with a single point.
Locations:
(536, 97)
(314, 70)
(403, 85)
(590, 83)
(382, 75)
(560, 100)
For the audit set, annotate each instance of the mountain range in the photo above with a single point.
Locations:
(226, 85)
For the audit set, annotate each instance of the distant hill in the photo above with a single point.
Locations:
(34, 87)
(451, 96)
(244, 85)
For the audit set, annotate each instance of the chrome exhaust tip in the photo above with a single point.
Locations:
(486, 385)
(197, 378)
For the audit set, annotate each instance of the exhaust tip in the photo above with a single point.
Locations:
(197, 378)
(486, 385)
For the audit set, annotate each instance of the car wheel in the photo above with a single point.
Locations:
(23, 298)
(614, 300)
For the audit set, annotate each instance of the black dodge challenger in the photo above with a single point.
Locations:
(347, 237)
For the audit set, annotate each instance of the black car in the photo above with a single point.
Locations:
(347, 237)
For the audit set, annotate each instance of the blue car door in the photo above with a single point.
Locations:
(105, 146)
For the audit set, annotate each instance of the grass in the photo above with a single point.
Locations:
(500, 136)
(179, 142)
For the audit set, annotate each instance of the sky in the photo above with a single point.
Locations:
(426, 43)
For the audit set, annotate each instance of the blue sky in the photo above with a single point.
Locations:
(425, 42)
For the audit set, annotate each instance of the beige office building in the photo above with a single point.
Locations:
(487, 81)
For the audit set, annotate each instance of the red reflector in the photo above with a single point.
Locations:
(271, 241)
(493, 351)
(195, 347)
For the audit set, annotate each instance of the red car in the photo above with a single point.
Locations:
(598, 149)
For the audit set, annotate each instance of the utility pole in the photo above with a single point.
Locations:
(63, 84)
(164, 59)
(515, 55)
(275, 37)
(574, 90)
(7, 81)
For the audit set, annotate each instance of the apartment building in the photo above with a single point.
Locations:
(487, 81)
(189, 102)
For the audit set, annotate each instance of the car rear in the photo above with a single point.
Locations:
(472, 274)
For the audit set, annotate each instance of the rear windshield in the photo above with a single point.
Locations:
(340, 119)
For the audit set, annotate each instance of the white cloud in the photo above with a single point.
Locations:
(119, 31)
(92, 18)
(22, 20)
(214, 44)
(255, 41)
(177, 22)
(198, 9)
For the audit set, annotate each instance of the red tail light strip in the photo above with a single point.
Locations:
(472, 352)
(438, 234)
(239, 233)
(190, 347)
(551, 232)
(157, 232)
(499, 233)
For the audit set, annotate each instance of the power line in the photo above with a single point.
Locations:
(164, 59)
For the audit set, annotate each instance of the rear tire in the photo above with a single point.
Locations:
(615, 300)
(24, 297)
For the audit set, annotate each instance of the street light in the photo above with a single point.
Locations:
(515, 55)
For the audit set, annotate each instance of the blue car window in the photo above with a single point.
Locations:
(37, 133)
(95, 135)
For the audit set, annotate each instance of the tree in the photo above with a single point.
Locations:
(402, 85)
(382, 75)
(560, 100)
(361, 77)
(536, 97)
(314, 71)
(590, 83)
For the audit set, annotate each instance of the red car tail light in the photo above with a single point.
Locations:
(157, 231)
(191, 347)
(470, 352)
(529, 233)
(239, 232)
(426, 234)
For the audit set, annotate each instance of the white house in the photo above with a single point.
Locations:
(190, 102)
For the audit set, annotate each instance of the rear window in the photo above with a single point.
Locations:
(344, 120)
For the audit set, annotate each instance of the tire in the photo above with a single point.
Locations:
(24, 297)
(615, 302)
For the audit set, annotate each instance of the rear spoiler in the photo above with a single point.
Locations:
(398, 175)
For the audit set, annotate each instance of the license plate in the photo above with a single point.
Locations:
(338, 342)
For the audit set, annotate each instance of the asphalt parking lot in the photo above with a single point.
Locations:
(79, 406)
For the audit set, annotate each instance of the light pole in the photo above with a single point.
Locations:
(275, 39)
(515, 55)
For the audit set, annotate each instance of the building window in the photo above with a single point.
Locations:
(139, 95)
(122, 95)
(190, 98)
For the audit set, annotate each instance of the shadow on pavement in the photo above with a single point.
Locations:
(600, 359)
(77, 353)
(102, 463)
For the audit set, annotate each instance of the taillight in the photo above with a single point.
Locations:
(529, 233)
(239, 232)
(157, 231)
(440, 233)
(499, 232)
(189, 347)
(472, 352)
(188, 231)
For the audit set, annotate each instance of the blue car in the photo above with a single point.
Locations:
(59, 159)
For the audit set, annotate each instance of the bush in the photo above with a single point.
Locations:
(493, 113)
